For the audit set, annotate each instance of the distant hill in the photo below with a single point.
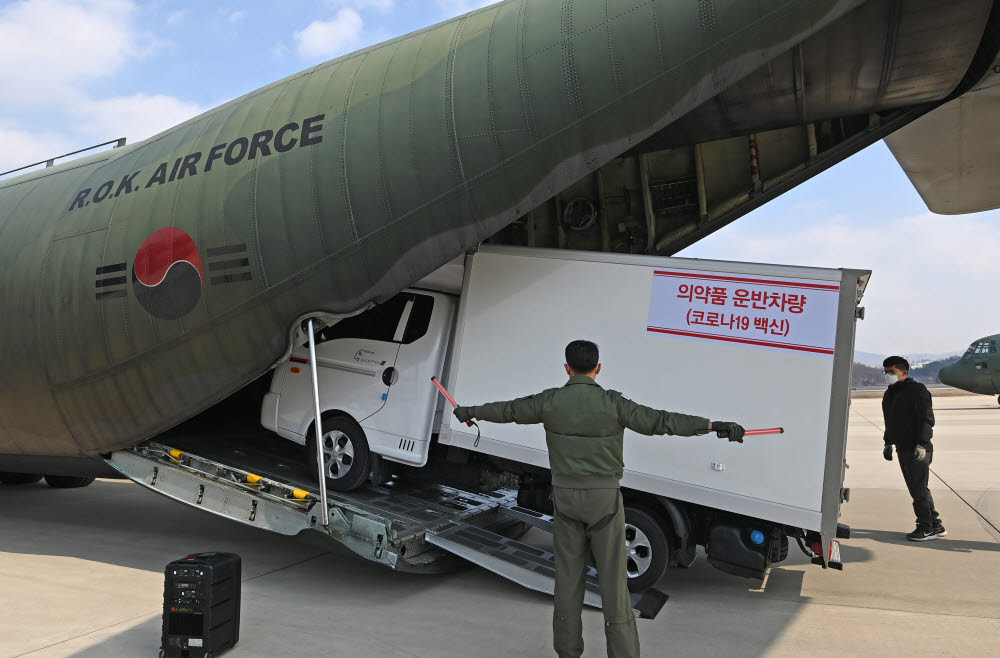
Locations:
(875, 360)
(869, 359)
(927, 373)
(866, 375)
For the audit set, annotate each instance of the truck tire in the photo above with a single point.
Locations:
(779, 550)
(382, 470)
(646, 547)
(67, 481)
(346, 454)
(19, 478)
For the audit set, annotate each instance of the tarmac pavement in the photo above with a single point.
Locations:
(81, 575)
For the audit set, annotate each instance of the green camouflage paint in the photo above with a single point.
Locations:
(408, 153)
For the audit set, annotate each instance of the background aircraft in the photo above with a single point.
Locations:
(978, 371)
(144, 284)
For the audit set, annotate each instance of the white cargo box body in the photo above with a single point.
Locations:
(786, 363)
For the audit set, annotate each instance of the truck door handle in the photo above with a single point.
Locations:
(390, 376)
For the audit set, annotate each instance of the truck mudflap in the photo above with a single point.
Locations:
(828, 558)
(417, 529)
(831, 559)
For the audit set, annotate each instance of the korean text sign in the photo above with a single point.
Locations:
(760, 311)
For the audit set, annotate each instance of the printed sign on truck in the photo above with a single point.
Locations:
(757, 311)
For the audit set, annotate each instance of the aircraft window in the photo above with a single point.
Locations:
(993, 348)
(420, 318)
(377, 323)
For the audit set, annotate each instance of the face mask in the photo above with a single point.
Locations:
(891, 379)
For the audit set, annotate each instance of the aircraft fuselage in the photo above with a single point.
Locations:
(142, 285)
(978, 371)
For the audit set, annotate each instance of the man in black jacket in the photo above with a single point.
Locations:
(909, 425)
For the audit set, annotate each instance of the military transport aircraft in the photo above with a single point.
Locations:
(978, 371)
(144, 284)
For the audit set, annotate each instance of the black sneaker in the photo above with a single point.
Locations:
(940, 531)
(922, 534)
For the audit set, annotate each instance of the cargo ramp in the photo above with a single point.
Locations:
(418, 527)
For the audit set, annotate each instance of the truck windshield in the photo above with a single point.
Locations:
(381, 321)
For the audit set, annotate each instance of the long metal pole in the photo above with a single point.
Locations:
(320, 463)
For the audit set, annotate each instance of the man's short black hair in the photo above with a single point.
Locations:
(582, 356)
(897, 362)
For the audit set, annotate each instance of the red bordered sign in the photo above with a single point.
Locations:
(798, 315)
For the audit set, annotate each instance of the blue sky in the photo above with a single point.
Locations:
(86, 71)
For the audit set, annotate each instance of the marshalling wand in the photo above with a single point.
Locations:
(469, 423)
(773, 430)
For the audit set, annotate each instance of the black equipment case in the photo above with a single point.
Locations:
(201, 605)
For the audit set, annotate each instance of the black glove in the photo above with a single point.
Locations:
(726, 430)
(887, 453)
(465, 414)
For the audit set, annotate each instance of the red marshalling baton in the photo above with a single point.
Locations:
(776, 430)
(450, 399)
(773, 430)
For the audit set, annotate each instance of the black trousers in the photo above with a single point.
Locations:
(916, 475)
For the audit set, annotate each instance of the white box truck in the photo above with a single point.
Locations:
(764, 345)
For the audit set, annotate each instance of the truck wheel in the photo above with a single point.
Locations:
(67, 481)
(346, 457)
(382, 470)
(646, 547)
(779, 550)
(19, 478)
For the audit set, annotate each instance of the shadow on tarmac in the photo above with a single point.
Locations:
(942, 544)
(308, 584)
(993, 407)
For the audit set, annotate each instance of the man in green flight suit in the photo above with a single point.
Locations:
(584, 431)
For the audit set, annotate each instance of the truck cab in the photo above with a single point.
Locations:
(376, 395)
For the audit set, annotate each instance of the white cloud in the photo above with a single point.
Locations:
(457, 7)
(136, 117)
(53, 51)
(931, 287)
(21, 148)
(328, 39)
(364, 5)
(237, 16)
(177, 17)
(278, 50)
(49, 47)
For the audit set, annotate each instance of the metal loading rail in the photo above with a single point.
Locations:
(412, 529)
